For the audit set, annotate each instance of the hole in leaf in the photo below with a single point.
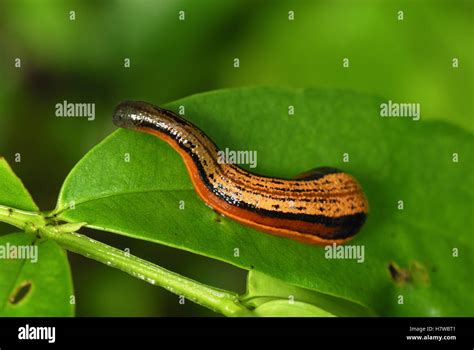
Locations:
(398, 274)
(20, 292)
(417, 273)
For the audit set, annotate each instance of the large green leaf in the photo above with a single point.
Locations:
(38, 286)
(12, 191)
(393, 158)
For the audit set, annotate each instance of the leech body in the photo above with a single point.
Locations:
(322, 206)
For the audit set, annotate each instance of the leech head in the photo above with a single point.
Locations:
(137, 114)
(130, 114)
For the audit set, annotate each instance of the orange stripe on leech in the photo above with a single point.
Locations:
(277, 192)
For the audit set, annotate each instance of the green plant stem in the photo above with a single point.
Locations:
(224, 302)
(24, 220)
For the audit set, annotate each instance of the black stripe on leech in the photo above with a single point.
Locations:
(349, 224)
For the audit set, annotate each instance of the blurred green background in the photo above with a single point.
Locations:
(83, 61)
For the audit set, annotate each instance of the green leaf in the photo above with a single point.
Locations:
(393, 158)
(262, 289)
(38, 286)
(12, 191)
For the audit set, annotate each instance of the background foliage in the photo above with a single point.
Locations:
(82, 61)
